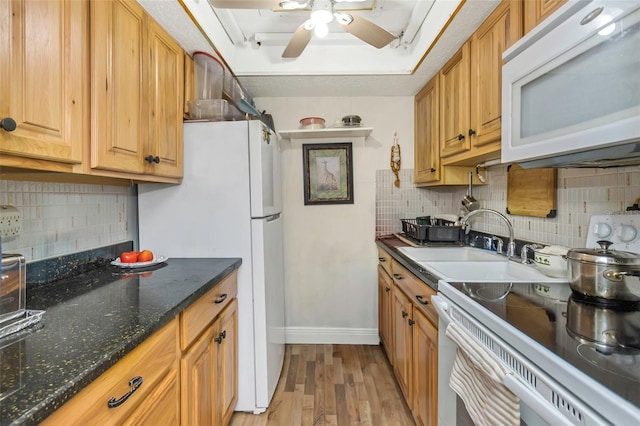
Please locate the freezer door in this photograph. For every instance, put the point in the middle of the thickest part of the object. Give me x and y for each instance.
(268, 305)
(265, 174)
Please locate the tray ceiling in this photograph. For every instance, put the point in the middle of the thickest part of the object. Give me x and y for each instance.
(251, 42)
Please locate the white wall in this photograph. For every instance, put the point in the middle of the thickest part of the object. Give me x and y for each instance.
(330, 254)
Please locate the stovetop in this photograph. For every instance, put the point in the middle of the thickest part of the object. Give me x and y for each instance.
(601, 342)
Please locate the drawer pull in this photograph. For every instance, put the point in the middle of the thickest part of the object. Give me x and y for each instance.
(135, 383)
(221, 299)
(381, 259)
(221, 336)
(397, 276)
(420, 299)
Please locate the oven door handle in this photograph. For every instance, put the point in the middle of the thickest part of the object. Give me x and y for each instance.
(442, 308)
(534, 401)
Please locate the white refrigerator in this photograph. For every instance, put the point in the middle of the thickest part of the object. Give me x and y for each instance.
(229, 205)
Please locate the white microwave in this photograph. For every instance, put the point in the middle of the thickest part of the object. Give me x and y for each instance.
(571, 88)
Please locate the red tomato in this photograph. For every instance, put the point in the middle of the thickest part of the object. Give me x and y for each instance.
(145, 256)
(129, 257)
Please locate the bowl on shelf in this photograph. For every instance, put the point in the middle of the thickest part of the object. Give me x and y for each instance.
(312, 123)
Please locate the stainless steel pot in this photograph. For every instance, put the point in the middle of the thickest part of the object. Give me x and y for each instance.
(608, 330)
(610, 274)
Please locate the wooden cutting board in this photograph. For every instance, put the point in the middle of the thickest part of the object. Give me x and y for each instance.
(531, 192)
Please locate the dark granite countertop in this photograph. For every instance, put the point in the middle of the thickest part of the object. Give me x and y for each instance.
(92, 320)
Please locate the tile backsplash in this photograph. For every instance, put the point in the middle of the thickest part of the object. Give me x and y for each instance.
(63, 218)
(581, 193)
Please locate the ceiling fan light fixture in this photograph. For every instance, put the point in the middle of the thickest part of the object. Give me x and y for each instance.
(321, 11)
(321, 30)
(290, 4)
(343, 18)
(309, 24)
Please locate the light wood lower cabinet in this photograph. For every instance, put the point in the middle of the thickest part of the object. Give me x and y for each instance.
(425, 370)
(185, 373)
(151, 369)
(402, 312)
(209, 389)
(415, 344)
(209, 362)
(385, 300)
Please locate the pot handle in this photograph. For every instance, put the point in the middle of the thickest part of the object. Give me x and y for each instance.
(613, 275)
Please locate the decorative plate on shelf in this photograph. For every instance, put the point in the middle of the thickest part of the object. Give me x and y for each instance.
(155, 261)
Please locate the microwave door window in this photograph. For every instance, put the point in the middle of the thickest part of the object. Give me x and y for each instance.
(597, 85)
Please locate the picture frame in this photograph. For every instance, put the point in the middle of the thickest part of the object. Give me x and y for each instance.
(328, 173)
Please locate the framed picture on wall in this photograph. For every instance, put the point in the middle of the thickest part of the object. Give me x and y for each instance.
(328, 173)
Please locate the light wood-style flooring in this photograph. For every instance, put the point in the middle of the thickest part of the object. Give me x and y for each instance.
(333, 385)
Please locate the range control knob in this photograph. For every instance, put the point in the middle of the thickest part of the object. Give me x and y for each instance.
(626, 233)
(602, 230)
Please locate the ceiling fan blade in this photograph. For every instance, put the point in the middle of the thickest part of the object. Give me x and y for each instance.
(368, 32)
(246, 4)
(297, 43)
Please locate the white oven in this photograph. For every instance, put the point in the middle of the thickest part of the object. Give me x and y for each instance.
(570, 87)
(556, 379)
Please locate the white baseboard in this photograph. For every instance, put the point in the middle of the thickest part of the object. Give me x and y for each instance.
(338, 336)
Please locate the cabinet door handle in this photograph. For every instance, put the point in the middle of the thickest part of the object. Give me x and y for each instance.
(404, 314)
(432, 170)
(397, 276)
(460, 137)
(420, 299)
(221, 336)
(152, 159)
(8, 124)
(472, 132)
(411, 321)
(134, 384)
(382, 259)
(221, 299)
(387, 289)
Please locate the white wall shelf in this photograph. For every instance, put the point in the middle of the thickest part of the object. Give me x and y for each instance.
(331, 132)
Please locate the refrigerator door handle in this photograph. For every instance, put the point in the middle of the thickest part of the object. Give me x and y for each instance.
(274, 217)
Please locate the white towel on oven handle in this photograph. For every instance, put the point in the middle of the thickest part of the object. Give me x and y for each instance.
(477, 377)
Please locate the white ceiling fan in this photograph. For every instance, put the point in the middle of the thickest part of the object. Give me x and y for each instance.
(322, 13)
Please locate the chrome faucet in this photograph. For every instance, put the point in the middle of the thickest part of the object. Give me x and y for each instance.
(524, 252)
(511, 246)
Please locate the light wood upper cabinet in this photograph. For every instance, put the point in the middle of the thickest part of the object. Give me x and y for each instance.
(42, 78)
(166, 91)
(427, 134)
(136, 92)
(454, 103)
(536, 11)
(119, 124)
(497, 33)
